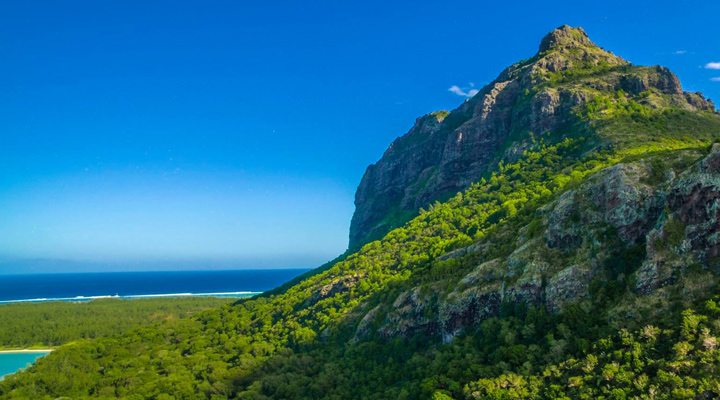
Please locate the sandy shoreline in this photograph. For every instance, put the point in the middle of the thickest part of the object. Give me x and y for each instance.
(21, 351)
(85, 299)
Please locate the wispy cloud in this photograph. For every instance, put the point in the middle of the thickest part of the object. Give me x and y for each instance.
(464, 92)
(712, 65)
(715, 79)
(680, 52)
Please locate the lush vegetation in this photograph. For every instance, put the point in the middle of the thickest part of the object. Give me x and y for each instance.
(305, 340)
(26, 325)
(292, 344)
(681, 361)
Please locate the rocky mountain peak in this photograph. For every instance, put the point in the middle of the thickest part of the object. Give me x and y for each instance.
(542, 98)
(570, 49)
(565, 37)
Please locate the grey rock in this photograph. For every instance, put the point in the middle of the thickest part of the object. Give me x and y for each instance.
(568, 285)
(563, 227)
(625, 202)
(410, 314)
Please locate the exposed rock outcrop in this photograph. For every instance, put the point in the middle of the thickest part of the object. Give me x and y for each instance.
(568, 285)
(689, 232)
(411, 313)
(586, 231)
(336, 286)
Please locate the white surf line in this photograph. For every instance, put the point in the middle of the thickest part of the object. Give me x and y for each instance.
(43, 299)
(132, 296)
(26, 351)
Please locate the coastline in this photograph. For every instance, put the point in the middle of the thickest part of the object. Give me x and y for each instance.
(84, 299)
(26, 351)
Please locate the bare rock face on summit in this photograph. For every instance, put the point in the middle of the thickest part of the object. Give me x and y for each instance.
(444, 152)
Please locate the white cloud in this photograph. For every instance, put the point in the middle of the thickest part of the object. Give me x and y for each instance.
(715, 79)
(467, 92)
(680, 52)
(712, 65)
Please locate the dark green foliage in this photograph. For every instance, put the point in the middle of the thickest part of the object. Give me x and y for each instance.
(619, 267)
(297, 344)
(674, 233)
(681, 361)
(24, 325)
(302, 341)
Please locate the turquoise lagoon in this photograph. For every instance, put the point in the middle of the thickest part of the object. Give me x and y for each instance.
(11, 362)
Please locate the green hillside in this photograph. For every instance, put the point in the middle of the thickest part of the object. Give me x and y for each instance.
(582, 264)
(51, 324)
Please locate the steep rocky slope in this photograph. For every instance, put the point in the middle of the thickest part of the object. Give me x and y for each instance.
(588, 229)
(643, 223)
(444, 153)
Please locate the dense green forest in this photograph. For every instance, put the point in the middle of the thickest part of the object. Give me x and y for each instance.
(679, 361)
(298, 345)
(50, 324)
(582, 265)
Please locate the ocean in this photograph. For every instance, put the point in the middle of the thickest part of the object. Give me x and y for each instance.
(88, 286)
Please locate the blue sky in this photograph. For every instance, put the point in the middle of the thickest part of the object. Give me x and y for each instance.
(228, 134)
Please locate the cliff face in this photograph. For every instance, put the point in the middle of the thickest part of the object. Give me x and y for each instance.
(658, 215)
(443, 153)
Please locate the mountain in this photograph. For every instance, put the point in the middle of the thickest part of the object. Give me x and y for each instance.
(555, 236)
(445, 152)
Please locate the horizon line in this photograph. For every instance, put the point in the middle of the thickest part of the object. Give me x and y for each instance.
(115, 271)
